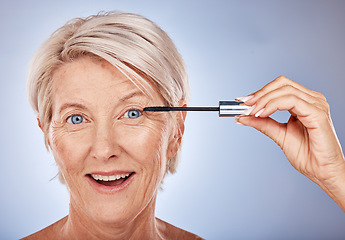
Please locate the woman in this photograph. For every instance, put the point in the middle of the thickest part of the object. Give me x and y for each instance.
(88, 85)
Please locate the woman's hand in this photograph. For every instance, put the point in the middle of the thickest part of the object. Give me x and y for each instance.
(308, 139)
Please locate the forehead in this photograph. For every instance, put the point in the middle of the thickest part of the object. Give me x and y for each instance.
(94, 78)
(87, 72)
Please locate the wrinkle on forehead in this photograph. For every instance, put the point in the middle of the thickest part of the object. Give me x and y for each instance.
(141, 81)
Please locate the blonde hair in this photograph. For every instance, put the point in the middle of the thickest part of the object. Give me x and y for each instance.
(130, 42)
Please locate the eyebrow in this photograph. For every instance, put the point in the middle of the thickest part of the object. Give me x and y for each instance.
(83, 107)
(131, 95)
(75, 105)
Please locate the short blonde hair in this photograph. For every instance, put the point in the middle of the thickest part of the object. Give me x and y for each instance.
(130, 42)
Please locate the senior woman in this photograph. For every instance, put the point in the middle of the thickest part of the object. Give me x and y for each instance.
(89, 83)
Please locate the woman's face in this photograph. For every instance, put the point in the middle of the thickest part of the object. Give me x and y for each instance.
(111, 154)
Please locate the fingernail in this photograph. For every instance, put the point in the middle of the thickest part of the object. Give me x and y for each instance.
(237, 122)
(259, 112)
(249, 110)
(244, 99)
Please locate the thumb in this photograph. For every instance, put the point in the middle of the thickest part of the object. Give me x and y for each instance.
(268, 126)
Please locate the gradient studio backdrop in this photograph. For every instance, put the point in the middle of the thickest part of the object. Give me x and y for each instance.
(232, 182)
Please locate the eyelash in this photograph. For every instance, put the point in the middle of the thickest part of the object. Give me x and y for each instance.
(74, 114)
(132, 109)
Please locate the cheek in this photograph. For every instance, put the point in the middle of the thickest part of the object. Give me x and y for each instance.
(69, 149)
(147, 143)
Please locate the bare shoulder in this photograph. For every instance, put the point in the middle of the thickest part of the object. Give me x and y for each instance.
(171, 232)
(50, 232)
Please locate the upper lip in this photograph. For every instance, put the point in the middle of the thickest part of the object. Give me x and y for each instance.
(111, 173)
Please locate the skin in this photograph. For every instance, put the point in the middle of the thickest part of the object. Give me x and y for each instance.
(308, 139)
(108, 140)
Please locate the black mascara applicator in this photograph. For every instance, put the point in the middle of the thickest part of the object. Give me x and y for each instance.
(225, 109)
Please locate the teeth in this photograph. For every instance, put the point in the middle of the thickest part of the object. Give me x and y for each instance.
(109, 178)
(112, 178)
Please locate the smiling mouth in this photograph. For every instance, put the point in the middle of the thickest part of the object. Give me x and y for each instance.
(113, 180)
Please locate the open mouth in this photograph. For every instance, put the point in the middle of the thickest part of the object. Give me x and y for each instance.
(113, 180)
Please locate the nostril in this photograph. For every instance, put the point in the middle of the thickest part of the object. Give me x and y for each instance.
(105, 153)
(104, 146)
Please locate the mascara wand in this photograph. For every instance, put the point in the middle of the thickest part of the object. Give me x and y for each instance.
(225, 109)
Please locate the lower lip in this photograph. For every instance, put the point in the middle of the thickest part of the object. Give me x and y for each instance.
(110, 189)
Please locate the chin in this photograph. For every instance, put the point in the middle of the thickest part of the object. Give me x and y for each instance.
(109, 203)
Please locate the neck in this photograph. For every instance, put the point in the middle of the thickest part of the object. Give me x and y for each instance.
(142, 226)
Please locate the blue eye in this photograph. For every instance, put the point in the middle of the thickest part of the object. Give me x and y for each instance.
(76, 119)
(133, 113)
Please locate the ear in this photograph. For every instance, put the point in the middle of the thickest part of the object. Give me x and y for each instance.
(42, 128)
(40, 124)
(176, 138)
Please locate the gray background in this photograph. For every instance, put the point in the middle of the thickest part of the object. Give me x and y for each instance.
(233, 182)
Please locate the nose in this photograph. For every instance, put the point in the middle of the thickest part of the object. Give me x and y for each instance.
(104, 146)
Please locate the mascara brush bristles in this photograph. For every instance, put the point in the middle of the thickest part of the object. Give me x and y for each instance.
(157, 109)
(168, 109)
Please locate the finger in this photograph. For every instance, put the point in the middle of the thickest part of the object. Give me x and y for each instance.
(310, 115)
(278, 83)
(268, 126)
(287, 91)
(284, 81)
(316, 122)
